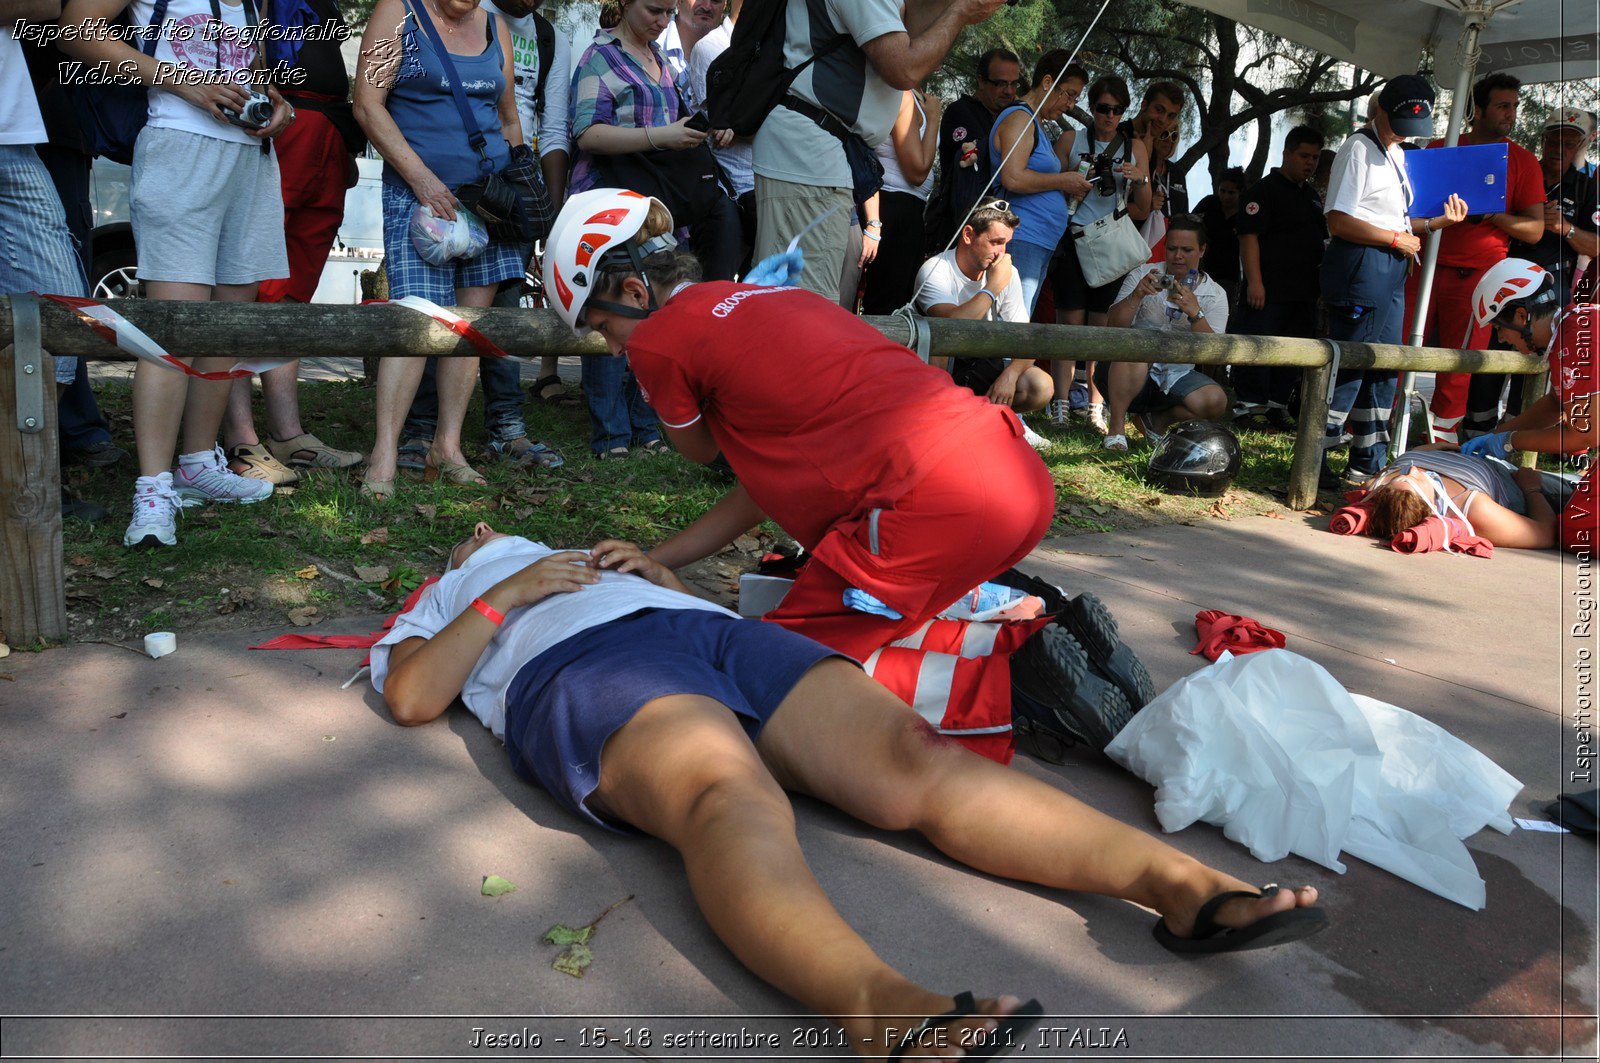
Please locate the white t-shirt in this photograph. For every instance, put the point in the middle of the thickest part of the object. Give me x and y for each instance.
(20, 121)
(736, 157)
(548, 129)
(1156, 313)
(940, 280)
(186, 41)
(793, 148)
(1369, 184)
(527, 632)
(894, 178)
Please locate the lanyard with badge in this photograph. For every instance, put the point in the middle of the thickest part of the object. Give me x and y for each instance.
(1405, 182)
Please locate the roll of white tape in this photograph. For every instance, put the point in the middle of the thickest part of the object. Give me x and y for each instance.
(160, 643)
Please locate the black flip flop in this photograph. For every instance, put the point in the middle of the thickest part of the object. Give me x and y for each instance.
(1279, 928)
(566, 398)
(1002, 1041)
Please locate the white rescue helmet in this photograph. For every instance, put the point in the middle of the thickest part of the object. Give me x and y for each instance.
(1507, 284)
(593, 225)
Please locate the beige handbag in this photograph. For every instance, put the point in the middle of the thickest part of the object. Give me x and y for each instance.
(1109, 247)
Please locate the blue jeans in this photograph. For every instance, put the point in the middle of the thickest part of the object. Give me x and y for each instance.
(1032, 264)
(618, 414)
(36, 249)
(502, 392)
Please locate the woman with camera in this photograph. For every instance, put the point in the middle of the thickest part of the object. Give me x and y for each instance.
(1119, 168)
(1034, 181)
(208, 217)
(405, 103)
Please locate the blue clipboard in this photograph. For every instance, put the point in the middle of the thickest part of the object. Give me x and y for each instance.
(1476, 173)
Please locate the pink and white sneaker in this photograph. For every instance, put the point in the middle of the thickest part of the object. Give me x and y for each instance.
(155, 513)
(215, 482)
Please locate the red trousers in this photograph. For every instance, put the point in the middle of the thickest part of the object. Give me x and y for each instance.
(1449, 324)
(314, 168)
(965, 522)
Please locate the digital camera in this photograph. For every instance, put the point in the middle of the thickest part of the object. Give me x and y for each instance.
(255, 114)
(1103, 175)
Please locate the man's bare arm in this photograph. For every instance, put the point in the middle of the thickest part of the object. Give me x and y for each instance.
(905, 59)
(13, 12)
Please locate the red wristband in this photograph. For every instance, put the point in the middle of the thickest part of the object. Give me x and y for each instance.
(496, 617)
(1395, 242)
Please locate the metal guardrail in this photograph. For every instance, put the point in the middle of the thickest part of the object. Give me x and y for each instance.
(32, 602)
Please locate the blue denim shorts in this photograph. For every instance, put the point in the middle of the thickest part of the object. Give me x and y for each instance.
(566, 702)
(409, 275)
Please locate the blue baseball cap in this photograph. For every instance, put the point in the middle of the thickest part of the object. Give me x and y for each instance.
(1408, 101)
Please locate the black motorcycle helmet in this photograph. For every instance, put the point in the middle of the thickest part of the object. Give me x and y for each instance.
(1195, 458)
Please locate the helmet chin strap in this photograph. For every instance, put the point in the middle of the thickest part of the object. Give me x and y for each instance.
(637, 253)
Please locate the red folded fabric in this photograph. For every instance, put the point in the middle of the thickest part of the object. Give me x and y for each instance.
(1238, 635)
(1351, 519)
(1429, 536)
(296, 641)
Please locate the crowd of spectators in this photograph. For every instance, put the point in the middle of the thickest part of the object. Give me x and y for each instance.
(985, 210)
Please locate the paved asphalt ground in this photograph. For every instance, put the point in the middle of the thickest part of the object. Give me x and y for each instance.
(226, 833)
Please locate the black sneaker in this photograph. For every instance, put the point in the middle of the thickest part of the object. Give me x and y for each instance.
(1055, 599)
(1037, 732)
(413, 454)
(1092, 624)
(1278, 420)
(74, 508)
(101, 454)
(1052, 670)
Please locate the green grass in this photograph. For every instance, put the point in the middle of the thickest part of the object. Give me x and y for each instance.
(238, 566)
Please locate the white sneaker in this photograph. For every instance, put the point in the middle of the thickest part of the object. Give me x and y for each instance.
(155, 513)
(1060, 413)
(215, 482)
(1035, 440)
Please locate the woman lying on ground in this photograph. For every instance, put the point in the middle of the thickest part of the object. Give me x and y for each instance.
(1504, 506)
(641, 707)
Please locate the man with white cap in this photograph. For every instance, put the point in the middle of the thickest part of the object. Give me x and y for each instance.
(1375, 242)
(1572, 207)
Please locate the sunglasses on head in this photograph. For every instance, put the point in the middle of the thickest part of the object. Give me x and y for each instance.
(1109, 108)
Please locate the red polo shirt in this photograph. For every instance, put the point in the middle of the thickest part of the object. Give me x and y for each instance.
(1478, 243)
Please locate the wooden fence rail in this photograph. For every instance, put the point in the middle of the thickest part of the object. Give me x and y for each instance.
(32, 604)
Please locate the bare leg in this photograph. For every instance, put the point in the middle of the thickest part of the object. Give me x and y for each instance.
(858, 747)
(1098, 320)
(457, 377)
(1061, 373)
(397, 386)
(1123, 385)
(280, 388)
(684, 770)
(1035, 389)
(159, 394)
(238, 423)
(202, 414)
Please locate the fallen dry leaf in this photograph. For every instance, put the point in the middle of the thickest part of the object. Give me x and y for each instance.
(80, 560)
(495, 886)
(747, 544)
(427, 510)
(154, 581)
(1275, 516)
(304, 616)
(104, 572)
(376, 535)
(372, 573)
(1221, 511)
(227, 606)
(309, 572)
(574, 960)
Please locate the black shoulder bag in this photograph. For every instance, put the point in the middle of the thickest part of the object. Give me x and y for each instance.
(513, 204)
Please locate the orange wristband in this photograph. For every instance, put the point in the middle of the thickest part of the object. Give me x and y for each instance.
(1395, 242)
(496, 617)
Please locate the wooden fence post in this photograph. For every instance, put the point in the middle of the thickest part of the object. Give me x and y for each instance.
(1307, 465)
(1533, 389)
(32, 595)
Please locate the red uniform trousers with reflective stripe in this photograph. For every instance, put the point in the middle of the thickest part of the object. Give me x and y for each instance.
(1449, 324)
(967, 521)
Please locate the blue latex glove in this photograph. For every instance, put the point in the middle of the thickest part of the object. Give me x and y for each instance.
(1493, 445)
(779, 270)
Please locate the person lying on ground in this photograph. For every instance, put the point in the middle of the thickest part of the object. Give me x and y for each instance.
(898, 482)
(1507, 508)
(1173, 297)
(642, 708)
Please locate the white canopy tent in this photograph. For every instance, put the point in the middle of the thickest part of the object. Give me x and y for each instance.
(1536, 40)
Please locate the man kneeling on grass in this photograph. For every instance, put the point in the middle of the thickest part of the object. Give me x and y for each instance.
(641, 707)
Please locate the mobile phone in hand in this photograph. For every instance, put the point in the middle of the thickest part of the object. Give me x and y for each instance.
(700, 122)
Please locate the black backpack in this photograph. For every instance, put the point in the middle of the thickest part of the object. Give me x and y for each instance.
(544, 35)
(748, 80)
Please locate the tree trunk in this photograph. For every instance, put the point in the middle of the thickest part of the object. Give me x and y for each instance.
(1258, 159)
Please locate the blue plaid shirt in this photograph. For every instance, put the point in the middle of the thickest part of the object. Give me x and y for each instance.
(611, 88)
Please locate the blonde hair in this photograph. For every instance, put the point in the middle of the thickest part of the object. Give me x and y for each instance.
(664, 269)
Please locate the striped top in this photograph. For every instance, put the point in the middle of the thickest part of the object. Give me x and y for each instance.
(609, 87)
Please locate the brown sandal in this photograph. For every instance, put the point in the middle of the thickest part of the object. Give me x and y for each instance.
(560, 398)
(462, 475)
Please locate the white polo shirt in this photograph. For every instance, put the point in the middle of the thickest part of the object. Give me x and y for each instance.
(1370, 185)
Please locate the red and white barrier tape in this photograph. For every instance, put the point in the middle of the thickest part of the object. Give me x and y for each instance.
(126, 336)
(450, 320)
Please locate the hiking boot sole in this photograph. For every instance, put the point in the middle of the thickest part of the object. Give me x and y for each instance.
(1052, 669)
(1092, 624)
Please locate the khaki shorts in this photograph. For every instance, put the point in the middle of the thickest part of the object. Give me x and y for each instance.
(784, 209)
